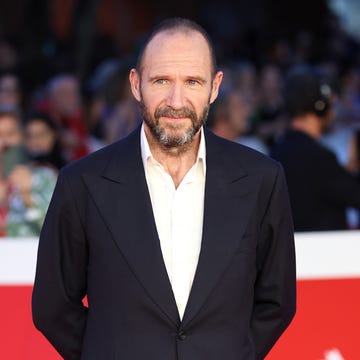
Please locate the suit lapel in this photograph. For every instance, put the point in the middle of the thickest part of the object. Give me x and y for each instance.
(226, 212)
(122, 198)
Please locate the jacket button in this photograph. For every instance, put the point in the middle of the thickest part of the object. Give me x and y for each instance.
(181, 335)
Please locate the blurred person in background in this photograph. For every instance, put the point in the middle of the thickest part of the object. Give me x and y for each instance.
(9, 55)
(12, 151)
(10, 92)
(320, 188)
(229, 118)
(348, 111)
(25, 187)
(113, 105)
(268, 117)
(244, 78)
(42, 141)
(63, 103)
(342, 138)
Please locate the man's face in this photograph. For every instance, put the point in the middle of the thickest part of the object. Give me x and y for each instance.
(175, 86)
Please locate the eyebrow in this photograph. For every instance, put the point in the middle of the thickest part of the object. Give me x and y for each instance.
(198, 78)
(188, 77)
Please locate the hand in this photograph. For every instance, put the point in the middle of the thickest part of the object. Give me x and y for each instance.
(20, 178)
(3, 192)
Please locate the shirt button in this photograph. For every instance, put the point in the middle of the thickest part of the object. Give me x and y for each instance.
(182, 335)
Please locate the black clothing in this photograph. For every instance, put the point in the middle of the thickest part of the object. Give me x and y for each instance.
(54, 158)
(100, 239)
(320, 189)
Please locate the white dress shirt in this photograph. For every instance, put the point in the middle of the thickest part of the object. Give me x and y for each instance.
(178, 216)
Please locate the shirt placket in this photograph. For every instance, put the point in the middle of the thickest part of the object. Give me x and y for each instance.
(180, 246)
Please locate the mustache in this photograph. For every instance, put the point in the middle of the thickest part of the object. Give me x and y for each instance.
(175, 113)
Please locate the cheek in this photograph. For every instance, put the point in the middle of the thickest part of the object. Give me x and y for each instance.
(47, 143)
(150, 102)
(32, 144)
(14, 138)
(200, 106)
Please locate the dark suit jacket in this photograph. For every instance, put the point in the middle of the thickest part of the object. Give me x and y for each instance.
(320, 189)
(99, 239)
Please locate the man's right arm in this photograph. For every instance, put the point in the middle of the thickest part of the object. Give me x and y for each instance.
(60, 283)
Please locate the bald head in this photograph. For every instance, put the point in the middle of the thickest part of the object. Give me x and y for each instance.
(178, 26)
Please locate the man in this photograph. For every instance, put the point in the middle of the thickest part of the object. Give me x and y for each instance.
(63, 104)
(182, 241)
(230, 119)
(320, 189)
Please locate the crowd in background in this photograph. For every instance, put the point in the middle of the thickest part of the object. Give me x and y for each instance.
(66, 116)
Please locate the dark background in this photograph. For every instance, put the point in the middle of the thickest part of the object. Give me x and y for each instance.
(76, 35)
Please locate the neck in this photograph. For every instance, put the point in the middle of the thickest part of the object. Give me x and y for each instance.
(309, 124)
(176, 161)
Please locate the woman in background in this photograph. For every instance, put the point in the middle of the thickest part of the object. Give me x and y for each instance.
(42, 141)
(26, 187)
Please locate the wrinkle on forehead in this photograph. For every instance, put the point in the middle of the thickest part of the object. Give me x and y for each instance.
(174, 47)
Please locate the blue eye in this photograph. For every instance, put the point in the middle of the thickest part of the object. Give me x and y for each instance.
(160, 81)
(192, 82)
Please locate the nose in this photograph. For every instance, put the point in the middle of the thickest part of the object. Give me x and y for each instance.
(176, 98)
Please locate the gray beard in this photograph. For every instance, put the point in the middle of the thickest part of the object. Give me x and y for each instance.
(171, 141)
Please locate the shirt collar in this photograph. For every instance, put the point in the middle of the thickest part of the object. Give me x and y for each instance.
(146, 152)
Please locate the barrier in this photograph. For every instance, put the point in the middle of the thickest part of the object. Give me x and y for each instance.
(325, 326)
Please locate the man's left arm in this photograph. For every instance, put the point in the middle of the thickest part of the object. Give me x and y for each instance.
(275, 288)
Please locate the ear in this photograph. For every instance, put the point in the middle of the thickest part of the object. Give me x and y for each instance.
(134, 78)
(215, 86)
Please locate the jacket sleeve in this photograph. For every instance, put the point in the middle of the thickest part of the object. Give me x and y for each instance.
(275, 287)
(60, 282)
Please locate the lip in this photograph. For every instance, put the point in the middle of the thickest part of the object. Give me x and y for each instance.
(174, 118)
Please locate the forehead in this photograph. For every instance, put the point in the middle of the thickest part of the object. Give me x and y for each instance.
(8, 80)
(181, 50)
(8, 122)
(64, 85)
(37, 123)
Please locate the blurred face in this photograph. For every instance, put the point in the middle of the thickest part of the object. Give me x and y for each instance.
(238, 112)
(271, 80)
(10, 132)
(9, 91)
(39, 138)
(65, 96)
(175, 87)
